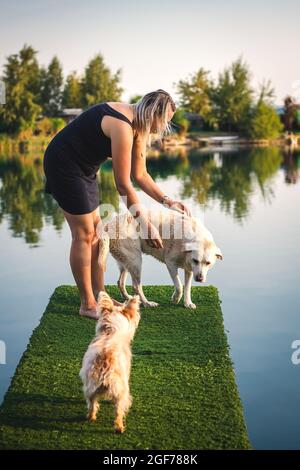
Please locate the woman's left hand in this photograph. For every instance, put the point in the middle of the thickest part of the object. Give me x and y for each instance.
(180, 207)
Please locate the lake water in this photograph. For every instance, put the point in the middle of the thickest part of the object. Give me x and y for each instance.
(251, 200)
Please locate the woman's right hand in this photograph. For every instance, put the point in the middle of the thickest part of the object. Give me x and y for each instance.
(153, 238)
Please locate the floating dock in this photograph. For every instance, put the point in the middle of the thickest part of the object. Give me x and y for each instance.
(182, 381)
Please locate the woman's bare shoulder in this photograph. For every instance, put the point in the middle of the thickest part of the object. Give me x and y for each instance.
(124, 108)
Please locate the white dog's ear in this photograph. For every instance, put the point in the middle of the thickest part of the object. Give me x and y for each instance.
(219, 253)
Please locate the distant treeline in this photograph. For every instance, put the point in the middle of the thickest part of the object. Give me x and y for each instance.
(36, 97)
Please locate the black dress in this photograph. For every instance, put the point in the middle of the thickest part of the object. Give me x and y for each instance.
(73, 157)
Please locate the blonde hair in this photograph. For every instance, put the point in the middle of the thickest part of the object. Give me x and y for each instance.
(150, 106)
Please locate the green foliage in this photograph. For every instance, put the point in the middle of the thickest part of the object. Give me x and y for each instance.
(291, 116)
(32, 90)
(98, 83)
(195, 95)
(229, 105)
(135, 99)
(182, 381)
(181, 122)
(233, 97)
(48, 126)
(44, 127)
(72, 94)
(22, 81)
(298, 118)
(57, 124)
(265, 122)
(51, 92)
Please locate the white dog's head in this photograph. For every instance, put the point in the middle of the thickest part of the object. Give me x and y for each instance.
(200, 256)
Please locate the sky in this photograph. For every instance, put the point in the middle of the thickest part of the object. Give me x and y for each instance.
(159, 42)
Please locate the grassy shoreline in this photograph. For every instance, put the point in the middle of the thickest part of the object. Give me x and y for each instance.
(197, 139)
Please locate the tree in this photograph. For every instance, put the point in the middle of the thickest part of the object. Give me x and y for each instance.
(265, 122)
(181, 123)
(72, 94)
(135, 99)
(51, 88)
(290, 113)
(266, 92)
(22, 81)
(195, 95)
(233, 97)
(99, 84)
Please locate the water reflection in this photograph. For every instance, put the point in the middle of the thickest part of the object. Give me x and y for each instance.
(22, 200)
(230, 176)
(291, 165)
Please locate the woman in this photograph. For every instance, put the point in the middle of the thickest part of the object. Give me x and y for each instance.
(115, 130)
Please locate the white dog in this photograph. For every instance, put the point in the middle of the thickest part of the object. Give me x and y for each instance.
(187, 244)
(106, 364)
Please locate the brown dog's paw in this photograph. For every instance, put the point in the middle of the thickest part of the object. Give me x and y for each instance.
(91, 418)
(119, 429)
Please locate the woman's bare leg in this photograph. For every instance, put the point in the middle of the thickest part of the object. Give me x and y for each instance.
(82, 230)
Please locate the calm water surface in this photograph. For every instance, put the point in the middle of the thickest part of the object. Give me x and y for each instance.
(251, 200)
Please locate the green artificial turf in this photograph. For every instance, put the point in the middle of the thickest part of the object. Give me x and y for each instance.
(182, 381)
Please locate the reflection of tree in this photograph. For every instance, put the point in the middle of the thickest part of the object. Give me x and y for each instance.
(265, 164)
(290, 113)
(166, 165)
(23, 200)
(198, 182)
(161, 167)
(229, 177)
(233, 181)
(107, 188)
(291, 165)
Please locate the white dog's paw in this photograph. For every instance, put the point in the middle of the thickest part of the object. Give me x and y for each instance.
(190, 305)
(149, 303)
(176, 297)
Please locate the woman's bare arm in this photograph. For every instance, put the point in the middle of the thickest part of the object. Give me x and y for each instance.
(140, 174)
(121, 147)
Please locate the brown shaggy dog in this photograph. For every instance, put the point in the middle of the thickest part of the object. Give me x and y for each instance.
(106, 364)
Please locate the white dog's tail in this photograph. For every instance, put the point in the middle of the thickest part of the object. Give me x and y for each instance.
(103, 244)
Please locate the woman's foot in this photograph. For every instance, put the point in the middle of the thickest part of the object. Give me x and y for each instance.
(89, 311)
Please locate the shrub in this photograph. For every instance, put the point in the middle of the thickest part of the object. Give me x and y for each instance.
(264, 122)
